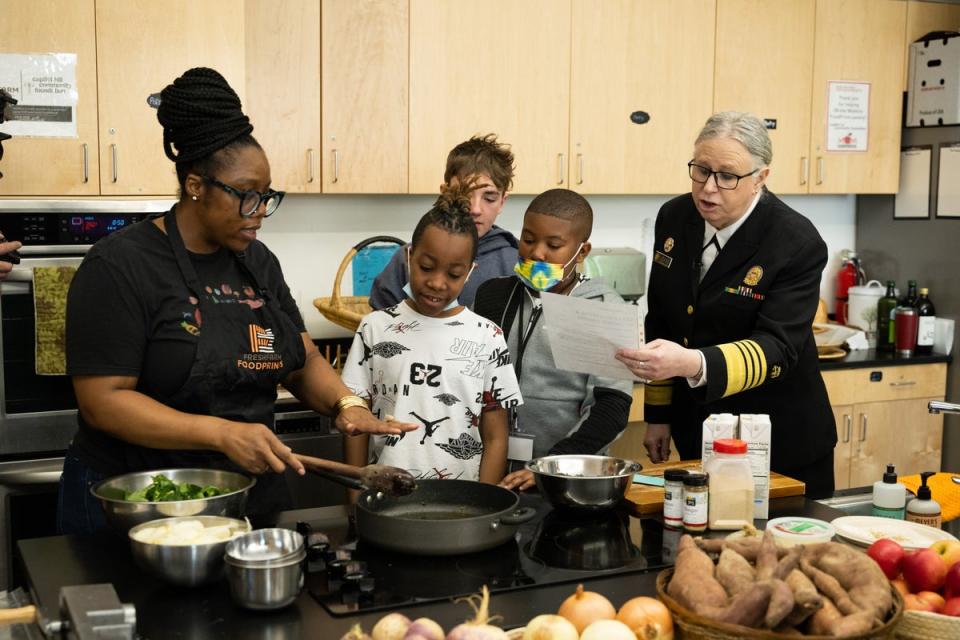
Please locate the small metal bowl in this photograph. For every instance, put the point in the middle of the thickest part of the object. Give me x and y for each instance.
(583, 482)
(123, 514)
(265, 568)
(185, 565)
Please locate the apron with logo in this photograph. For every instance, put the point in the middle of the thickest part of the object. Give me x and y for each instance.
(242, 354)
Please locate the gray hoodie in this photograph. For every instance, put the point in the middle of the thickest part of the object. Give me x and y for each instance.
(496, 256)
(566, 411)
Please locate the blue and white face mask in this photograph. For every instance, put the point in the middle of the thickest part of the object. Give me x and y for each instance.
(542, 276)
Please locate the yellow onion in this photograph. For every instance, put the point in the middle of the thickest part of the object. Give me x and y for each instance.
(648, 618)
(585, 607)
(550, 627)
(607, 630)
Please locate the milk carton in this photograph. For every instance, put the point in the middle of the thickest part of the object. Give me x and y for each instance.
(717, 425)
(756, 430)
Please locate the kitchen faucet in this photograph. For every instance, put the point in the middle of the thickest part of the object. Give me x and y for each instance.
(939, 406)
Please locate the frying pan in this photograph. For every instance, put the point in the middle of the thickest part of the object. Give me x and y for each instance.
(441, 517)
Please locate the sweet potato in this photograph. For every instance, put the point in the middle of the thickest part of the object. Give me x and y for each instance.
(780, 605)
(805, 596)
(830, 587)
(693, 583)
(766, 556)
(857, 573)
(734, 572)
(788, 563)
(747, 547)
(821, 623)
(749, 608)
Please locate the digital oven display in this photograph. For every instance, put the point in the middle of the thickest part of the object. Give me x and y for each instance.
(90, 227)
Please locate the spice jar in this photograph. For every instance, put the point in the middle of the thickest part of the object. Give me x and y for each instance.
(731, 485)
(673, 497)
(696, 501)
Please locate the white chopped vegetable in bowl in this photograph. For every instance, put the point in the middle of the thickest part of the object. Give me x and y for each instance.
(189, 531)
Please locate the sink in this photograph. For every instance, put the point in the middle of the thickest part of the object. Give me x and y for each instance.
(861, 504)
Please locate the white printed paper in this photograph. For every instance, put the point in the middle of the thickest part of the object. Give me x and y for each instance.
(586, 334)
(913, 196)
(848, 115)
(45, 87)
(948, 182)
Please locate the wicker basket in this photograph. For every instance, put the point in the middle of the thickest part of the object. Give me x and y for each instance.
(691, 626)
(348, 311)
(922, 625)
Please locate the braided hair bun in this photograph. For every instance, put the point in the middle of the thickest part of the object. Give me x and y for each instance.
(201, 114)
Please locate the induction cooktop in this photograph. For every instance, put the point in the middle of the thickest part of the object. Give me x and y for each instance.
(347, 576)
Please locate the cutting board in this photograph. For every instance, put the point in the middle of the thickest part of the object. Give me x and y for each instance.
(645, 500)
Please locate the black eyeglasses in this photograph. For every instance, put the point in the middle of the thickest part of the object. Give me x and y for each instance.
(724, 179)
(250, 201)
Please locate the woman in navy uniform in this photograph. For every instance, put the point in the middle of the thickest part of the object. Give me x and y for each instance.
(734, 286)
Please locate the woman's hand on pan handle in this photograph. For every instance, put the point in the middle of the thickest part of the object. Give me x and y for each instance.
(256, 448)
(518, 480)
(356, 420)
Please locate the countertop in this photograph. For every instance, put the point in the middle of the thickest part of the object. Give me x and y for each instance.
(864, 358)
(208, 612)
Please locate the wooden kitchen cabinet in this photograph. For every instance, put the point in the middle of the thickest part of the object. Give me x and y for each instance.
(765, 66)
(862, 41)
(924, 17)
(142, 46)
(882, 418)
(365, 47)
(54, 166)
(638, 56)
(282, 45)
(491, 67)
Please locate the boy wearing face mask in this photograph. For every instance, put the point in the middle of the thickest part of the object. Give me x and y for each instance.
(565, 411)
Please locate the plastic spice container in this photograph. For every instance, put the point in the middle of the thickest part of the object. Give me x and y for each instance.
(673, 497)
(792, 530)
(696, 501)
(731, 485)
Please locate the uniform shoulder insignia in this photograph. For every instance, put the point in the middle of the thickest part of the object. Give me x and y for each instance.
(667, 245)
(753, 276)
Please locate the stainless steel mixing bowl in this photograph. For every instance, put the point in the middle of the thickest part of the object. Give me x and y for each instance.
(123, 514)
(265, 568)
(185, 565)
(581, 481)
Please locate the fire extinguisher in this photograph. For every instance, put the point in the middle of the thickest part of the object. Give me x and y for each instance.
(850, 275)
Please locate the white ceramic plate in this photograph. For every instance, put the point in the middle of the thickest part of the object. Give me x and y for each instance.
(865, 530)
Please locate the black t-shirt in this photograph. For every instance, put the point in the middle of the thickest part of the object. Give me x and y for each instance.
(130, 313)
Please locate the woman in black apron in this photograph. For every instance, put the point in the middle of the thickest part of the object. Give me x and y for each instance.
(180, 328)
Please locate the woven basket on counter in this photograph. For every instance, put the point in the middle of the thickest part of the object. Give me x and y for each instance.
(347, 311)
(922, 625)
(691, 626)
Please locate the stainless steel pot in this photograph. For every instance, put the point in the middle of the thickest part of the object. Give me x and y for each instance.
(265, 568)
(441, 517)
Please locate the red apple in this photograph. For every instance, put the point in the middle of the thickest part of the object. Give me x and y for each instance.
(932, 598)
(889, 555)
(952, 607)
(923, 570)
(912, 602)
(951, 584)
(949, 551)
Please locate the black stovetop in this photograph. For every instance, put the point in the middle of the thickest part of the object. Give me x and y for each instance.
(349, 577)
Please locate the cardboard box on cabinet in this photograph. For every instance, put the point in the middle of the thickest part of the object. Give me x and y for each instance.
(933, 95)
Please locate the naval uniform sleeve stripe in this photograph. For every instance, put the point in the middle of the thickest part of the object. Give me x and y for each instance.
(658, 393)
(736, 370)
(761, 363)
(750, 364)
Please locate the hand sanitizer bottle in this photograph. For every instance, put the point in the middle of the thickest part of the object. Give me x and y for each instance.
(924, 509)
(889, 496)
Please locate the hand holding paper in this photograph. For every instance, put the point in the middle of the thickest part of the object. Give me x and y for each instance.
(660, 360)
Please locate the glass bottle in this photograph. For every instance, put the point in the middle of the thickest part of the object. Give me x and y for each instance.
(910, 300)
(885, 311)
(925, 323)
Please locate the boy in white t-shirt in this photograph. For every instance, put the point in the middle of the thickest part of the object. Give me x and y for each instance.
(430, 361)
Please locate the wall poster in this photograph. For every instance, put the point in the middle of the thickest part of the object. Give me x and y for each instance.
(45, 87)
(848, 115)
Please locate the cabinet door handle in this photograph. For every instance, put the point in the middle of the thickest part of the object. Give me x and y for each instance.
(560, 170)
(804, 169)
(819, 169)
(113, 156)
(847, 427)
(336, 166)
(579, 168)
(903, 383)
(309, 165)
(86, 163)
(863, 427)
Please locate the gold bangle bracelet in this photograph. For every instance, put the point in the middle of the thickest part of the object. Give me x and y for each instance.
(350, 401)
